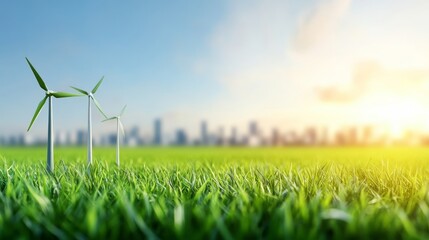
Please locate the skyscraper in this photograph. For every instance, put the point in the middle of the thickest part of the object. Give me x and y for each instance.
(275, 137)
(80, 137)
(157, 128)
(233, 138)
(220, 137)
(204, 133)
(133, 137)
(181, 137)
(253, 128)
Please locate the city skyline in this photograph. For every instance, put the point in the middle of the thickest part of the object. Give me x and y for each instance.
(219, 135)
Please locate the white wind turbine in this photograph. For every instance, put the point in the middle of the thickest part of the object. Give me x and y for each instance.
(118, 126)
(48, 95)
(91, 96)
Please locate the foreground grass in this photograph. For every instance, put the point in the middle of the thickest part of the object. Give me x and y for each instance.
(216, 193)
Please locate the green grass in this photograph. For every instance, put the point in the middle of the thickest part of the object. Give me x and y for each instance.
(192, 193)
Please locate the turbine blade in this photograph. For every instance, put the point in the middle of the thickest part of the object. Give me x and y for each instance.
(39, 107)
(108, 119)
(99, 107)
(80, 90)
(123, 110)
(121, 127)
(39, 79)
(65, 95)
(98, 85)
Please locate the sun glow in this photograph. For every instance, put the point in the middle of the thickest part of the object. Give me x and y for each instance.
(396, 113)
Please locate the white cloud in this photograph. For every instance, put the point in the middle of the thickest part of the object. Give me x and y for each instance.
(320, 23)
(370, 77)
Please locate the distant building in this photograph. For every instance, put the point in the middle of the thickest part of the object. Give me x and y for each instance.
(324, 137)
(291, 138)
(17, 140)
(253, 128)
(104, 140)
(181, 137)
(69, 140)
(310, 136)
(111, 139)
(204, 133)
(212, 140)
(275, 138)
(157, 129)
(233, 140)
(340, 139)
(367, 135)
(352, 136)
(220, 137)
(80, 139)
(133, 137)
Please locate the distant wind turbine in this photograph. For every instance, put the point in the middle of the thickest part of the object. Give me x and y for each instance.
(91, 96)
(118, 125)
(49, 94)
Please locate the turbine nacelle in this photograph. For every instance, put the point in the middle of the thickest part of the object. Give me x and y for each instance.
(48, 93)
(90, 95)
(118, 118)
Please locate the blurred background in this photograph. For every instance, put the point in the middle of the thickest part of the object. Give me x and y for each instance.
(255, 73)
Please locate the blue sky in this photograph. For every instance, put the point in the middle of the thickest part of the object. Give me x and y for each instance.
(284, 63)
(145, 50)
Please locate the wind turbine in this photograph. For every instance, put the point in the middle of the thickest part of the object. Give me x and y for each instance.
(48, 96)
(118, 125)
(91, 96)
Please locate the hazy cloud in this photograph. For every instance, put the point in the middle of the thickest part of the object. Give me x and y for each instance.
(371, 76)
(320, 23)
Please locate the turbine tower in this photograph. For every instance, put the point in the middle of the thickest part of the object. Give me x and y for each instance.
(91, 96)
(118, 126)
(48, 96)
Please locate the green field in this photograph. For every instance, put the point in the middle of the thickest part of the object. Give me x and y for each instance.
(216, 193)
